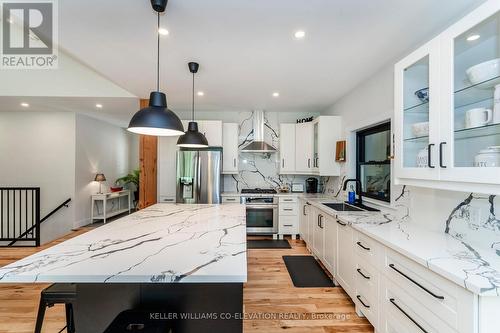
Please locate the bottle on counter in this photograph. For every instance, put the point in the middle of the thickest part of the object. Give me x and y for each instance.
(351, 197)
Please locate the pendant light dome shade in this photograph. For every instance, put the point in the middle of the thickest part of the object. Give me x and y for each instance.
(156, 119)
(192, 138)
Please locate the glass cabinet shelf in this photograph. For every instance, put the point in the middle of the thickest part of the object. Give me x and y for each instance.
(418, 108)
(477, 132)
(480, 92)
(417, 139)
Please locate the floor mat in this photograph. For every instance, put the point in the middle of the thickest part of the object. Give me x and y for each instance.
(305, 271)
(268, 244)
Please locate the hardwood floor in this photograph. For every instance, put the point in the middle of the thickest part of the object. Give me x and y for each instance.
(270, 299)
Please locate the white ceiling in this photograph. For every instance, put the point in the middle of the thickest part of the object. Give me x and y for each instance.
(246, 48)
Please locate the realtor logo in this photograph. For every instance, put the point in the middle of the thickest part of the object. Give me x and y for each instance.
(29, 34)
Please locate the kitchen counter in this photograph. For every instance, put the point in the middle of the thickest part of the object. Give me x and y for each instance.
(296, 194)
(164, 243)
(476, 269)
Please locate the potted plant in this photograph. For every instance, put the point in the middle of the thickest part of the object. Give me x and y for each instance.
(131, 178)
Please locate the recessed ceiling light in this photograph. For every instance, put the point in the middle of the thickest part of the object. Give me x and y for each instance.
(276, 94)
(99, 106)
(299, 34)
(163, 31)
(25, 105)
(472, 38)
(200, 93)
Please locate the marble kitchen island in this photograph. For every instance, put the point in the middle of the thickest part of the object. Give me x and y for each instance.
(170, 259)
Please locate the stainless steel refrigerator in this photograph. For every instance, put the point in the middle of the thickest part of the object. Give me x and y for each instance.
(199, 179)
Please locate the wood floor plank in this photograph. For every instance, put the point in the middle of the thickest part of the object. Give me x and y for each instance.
(269, 292)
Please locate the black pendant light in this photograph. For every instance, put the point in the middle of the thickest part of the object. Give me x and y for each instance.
(193, 138)
(156, 119)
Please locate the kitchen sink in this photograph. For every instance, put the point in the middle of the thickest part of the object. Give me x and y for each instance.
(341, 207)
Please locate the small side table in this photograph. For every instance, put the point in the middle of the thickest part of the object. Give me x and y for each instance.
(105, 197)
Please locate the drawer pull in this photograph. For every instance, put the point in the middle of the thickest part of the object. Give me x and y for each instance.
(415, 282)
(361, 273)
(288, 225)
(230, 199)
(341, 223)
(407, 315)
(288, 209)
(359, 298)
(287, 200)
(362, 246)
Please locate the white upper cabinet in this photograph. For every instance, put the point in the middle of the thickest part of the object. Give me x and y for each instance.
(287, 148)
(315, 146)
(304, 147)
(327, 130)
(212, 129)
(230, 148)
(452, 141)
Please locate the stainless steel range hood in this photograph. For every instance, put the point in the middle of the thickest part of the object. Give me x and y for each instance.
(258, 145)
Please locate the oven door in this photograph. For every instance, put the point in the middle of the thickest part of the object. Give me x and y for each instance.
(262, 219)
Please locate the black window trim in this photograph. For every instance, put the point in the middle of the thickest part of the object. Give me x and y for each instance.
(385, 126)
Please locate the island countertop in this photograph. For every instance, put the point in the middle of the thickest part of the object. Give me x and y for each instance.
(164, 243)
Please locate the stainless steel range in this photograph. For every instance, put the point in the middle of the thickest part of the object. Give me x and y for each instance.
(261, 210)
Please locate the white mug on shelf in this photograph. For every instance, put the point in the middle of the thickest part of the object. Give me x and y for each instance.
(496, 109)
(478, 117)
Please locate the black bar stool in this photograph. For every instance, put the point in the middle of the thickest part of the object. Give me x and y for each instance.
(58, 293)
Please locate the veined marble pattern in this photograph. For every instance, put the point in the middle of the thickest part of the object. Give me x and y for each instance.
(259, 170)
(164, 243)
(475, 268)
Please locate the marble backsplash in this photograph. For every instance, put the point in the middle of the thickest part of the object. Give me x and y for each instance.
(261, 170)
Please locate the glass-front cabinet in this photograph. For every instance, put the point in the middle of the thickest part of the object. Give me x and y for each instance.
(417, 122)
(447, 96)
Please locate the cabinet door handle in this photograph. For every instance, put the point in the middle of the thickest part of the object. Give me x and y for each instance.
(429, 156)
(288, 200)
(309, 163)
(230, 199)
(361, 273)
(234, 162)
(359, 299)
(393, 301)
(282, 162)
(321, 221)
(317, 223)
(288, 209)
(341, 223)
(441, 155)
(362, 246)
(416, 283)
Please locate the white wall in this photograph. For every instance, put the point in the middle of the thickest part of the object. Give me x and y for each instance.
(100, 148)
(38, 149)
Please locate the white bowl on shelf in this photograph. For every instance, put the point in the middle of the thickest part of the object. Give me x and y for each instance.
(420, 129)
(488, 158)
(485, 71)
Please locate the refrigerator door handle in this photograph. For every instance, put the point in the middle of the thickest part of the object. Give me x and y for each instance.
(198, 176)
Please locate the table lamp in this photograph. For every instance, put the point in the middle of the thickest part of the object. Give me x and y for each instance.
(100, 178)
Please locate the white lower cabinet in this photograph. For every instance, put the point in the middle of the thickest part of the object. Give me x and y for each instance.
(345, 258)
(330, 245)
(395, 293)
(288, 216)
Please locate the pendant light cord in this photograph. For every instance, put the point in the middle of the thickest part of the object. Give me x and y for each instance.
(158, 57)
(192, 107)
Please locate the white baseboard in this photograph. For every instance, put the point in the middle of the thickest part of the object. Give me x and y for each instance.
(81, 223)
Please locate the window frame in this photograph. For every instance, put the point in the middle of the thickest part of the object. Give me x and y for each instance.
(360, 151)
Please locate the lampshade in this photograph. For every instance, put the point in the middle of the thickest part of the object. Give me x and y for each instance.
(156, 119)
(192, 138)
(100, 177)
